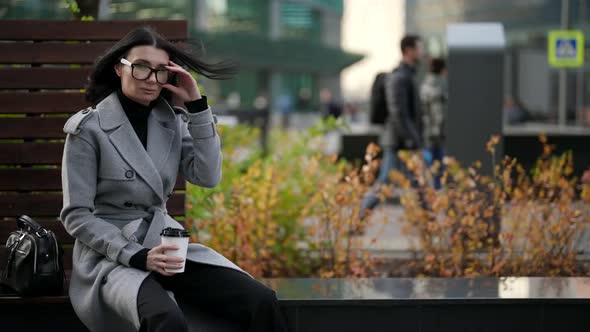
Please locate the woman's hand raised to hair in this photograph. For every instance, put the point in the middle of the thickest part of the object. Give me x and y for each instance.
(158, 261)
(186, 88)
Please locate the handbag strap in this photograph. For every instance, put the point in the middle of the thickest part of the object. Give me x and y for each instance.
(26, 222)
(7, 270)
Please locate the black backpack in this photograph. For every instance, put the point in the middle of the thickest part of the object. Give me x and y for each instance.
(378, 106)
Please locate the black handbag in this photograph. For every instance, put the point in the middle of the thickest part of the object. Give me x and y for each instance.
(35, 260)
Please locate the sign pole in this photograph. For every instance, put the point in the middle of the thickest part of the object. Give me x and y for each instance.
(562, 102)
(580, 78)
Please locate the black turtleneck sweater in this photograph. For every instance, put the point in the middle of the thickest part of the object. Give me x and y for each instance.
(138, 113)
(138, 116)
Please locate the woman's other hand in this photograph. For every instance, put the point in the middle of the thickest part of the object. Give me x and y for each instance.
(186, 89)
(158, 261)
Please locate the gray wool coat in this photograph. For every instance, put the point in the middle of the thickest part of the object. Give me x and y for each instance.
(114, 200)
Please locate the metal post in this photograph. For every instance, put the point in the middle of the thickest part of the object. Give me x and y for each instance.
(104, 10)
(580, 78)
(562, 98)
(275, 19)
(274, 34)
(199, 17)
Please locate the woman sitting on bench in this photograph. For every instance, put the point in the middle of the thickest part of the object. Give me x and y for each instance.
(120, 164)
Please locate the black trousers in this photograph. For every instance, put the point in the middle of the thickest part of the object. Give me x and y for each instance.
(218, 290)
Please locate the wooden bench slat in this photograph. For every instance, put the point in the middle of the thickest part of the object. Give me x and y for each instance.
(31, 153)
(49, 205)
(18, 300)
(32, 127)
(43, 30)
(52, 53)
(38, 179)
(41, 102)
(43, 78)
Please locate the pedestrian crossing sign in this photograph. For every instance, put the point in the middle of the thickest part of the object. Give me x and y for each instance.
(566, 48)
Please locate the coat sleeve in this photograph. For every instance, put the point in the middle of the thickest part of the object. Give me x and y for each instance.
(79, 178)
(401, 92)
(201, 158)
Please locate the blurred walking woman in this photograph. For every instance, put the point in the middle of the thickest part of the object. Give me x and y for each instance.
(120, 163)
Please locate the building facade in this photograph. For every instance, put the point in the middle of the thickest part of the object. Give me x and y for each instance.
(286, 49)
(531, 85)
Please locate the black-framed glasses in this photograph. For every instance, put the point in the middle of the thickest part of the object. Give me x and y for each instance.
(143, 72)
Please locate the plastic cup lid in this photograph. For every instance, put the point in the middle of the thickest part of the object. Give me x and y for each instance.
(174, 232)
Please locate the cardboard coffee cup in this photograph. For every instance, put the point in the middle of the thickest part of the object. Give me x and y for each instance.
(178, 237)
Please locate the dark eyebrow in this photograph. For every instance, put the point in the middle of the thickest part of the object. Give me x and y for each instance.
(142, 61)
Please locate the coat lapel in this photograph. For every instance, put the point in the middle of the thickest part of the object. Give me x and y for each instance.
(160, 137)
(159, 142)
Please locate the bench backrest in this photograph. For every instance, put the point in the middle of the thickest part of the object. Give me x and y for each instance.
(43, 68)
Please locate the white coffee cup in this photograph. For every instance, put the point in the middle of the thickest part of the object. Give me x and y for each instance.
(178, 237)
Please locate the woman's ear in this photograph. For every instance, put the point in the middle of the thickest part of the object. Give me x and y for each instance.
(118, 69)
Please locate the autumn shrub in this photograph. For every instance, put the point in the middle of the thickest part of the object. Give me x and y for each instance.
(289, 213)
(513, 222)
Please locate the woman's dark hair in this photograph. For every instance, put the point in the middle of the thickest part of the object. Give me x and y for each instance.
(104, 80)
(437, 65)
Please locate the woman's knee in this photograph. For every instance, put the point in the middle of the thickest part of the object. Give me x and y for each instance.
(170, 320)
(262, 295)
(157, 311)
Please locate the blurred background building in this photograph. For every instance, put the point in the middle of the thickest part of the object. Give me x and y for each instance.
(531, 85)
(373, 28)
(288, 49)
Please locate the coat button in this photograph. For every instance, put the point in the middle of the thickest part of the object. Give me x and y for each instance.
(86, 111)
(129, 174)
(133, 239)
(104, 280)
(128, 204)
(184, 117)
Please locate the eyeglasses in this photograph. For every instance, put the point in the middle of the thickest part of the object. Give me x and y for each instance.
(143, 72)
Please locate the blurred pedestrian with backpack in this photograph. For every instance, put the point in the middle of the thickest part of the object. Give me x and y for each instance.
(395, 105)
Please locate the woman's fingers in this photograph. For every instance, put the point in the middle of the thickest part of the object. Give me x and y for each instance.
(168, 259)
(173, 266)
(161, 268)
(186, 87)
(174, 259)
(169, 266)
(184, 74)
(177, 69)
(165, 247)
(161, 249)
(160, 258)
(173, 63)
(172, 88)
(158, 261)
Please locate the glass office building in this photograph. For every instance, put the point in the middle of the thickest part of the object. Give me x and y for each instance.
(531, 85)
(284, 47)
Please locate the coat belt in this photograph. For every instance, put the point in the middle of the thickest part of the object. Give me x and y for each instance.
(160, 220)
